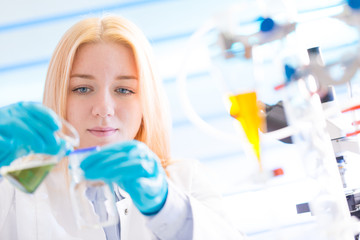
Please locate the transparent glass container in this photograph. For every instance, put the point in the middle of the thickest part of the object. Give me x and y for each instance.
(27, 172)
(93, 201)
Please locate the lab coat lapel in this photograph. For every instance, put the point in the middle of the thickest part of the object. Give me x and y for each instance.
(132, 222)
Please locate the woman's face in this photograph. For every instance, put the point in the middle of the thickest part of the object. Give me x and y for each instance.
(103, 96)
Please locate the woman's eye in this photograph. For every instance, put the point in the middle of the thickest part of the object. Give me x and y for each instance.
(124, 91)
(82, 90)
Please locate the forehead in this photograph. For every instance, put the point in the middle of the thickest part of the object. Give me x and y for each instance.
(104, 48)
(104, 54)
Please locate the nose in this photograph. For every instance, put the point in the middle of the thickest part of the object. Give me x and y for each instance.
(103, 106)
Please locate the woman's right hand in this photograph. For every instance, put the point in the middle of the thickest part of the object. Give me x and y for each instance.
(28, 127)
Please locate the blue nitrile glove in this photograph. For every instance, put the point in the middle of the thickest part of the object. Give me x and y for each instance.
(135, 168)
(27, 127)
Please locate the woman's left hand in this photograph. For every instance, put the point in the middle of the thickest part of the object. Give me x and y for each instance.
(135, 168)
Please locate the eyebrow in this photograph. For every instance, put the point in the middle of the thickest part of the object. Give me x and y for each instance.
(125, 77)
(86, 76)
(121, 77)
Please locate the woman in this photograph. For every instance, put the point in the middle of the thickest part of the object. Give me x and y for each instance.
(102, 80)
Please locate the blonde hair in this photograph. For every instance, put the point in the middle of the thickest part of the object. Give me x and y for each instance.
(155, 126)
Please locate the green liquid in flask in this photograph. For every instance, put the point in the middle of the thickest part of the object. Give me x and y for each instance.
(28, 179)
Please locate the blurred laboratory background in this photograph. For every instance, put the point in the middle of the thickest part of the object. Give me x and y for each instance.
(270, 205)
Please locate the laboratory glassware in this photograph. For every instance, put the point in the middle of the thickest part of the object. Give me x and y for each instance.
(27, 172)
(230, 38)
(303, 108)
(93, 200)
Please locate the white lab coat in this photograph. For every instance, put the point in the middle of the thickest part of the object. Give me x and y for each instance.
(48, 214)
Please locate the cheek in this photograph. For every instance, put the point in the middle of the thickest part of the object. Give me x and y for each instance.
(133, 118)
(73, 113)
(70, 116)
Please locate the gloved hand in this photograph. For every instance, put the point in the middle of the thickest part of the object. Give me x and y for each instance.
(27, 127)
(135, 168)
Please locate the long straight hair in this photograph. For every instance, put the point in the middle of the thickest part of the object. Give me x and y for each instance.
(155, 125)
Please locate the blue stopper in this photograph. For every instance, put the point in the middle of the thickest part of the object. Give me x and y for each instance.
(354, 4)
(267, 25)
(289, 72)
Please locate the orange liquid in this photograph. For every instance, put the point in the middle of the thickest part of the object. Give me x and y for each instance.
(245, 109)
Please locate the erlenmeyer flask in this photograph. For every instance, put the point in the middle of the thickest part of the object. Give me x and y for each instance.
(27, 172)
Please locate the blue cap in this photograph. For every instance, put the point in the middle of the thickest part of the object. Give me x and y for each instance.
(289, 72)
(354, 4)
(267, 25)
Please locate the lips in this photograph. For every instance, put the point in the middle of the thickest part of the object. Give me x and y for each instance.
(102, 131)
